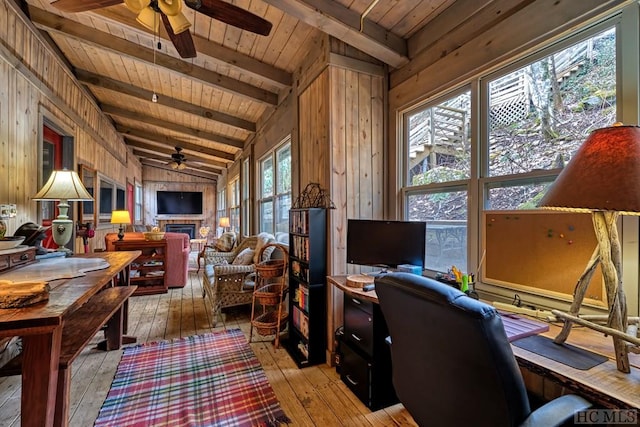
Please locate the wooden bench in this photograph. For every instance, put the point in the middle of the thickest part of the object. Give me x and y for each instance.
(79, 328)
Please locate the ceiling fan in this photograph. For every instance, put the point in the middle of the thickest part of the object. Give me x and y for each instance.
(151, 12)
(177, 160)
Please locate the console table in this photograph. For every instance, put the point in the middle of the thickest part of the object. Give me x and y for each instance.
(603, 384)
(41, 327)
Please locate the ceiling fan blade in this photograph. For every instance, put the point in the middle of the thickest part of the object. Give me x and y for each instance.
(232, 15)
(83, 5)
(183, 41)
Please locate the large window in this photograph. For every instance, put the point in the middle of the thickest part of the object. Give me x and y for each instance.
(438, 159)
(138, 203)
(246, 198)
(533, 114)
(221, 206)
(234, 207)
(275, 189)
(539, 112)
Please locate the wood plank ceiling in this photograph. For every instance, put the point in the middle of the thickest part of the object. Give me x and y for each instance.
(210, 105)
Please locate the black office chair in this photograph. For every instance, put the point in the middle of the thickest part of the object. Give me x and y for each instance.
(451, 360)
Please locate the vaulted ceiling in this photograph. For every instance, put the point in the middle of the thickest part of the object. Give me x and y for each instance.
(210, 105)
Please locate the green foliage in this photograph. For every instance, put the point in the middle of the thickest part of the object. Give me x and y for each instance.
(438, 174)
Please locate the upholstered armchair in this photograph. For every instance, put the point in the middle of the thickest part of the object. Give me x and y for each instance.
(452, 362)
(228, 280)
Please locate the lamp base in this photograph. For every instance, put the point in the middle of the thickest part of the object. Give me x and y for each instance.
(121, 233)
(62, 230)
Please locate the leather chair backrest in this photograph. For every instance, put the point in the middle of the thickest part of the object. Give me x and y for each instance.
(452, 362)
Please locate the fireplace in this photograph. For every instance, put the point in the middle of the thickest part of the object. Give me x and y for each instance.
(189, 229)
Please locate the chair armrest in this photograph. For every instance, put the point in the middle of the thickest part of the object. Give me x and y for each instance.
(214, 257)
(221, 270)
(557, 411)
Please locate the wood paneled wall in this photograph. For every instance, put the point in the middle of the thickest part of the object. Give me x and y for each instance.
(342, 147)
(163, 180)
(35, 86)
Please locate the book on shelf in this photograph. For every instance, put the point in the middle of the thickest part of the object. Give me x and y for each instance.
(158, 273)
(301, 322)
(299, 220)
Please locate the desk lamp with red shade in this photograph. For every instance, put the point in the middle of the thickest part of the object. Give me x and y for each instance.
(603, 178)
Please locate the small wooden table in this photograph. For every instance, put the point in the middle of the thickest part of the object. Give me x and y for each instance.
(40, 326)
(603, 384)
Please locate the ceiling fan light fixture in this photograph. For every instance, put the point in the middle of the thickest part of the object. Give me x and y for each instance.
(181, 166)
(136, 5)
(178, 22)
(170, 7)
(148, 19)
(173, 165)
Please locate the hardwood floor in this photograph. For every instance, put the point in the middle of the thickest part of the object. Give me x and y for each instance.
(313, 396)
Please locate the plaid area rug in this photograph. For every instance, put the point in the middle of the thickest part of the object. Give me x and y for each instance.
(202, 380)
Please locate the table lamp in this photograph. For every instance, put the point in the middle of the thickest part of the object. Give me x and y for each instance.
(603, 178)
(63, 185)
(224, 223)
(121, 217)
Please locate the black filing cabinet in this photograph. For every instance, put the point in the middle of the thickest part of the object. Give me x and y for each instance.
(366, 360)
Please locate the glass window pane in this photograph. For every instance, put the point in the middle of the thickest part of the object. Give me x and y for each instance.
(541, 113)
(440, 142)
(283, 157)
(446, 217)
(283, 204)
(266, 178)
(514, 197)
(266, 216)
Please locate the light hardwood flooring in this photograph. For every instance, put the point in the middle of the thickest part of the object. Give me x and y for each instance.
(314, 396)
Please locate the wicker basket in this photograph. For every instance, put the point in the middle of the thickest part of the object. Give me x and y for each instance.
(270, 294)
(153, 235)
(271, 268)
(269, 324)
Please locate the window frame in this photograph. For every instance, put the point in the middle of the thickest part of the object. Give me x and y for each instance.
(626, 24)
(263, 200)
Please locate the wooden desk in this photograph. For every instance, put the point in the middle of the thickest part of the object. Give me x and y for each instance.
(603, 384)
(40, 326)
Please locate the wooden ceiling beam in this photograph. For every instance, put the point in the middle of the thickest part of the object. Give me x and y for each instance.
(132, 136)
(53, 23)
(103, 82)
(143, 154)
(159, 165)
(175, 127)
(339, 21)
(222, 55)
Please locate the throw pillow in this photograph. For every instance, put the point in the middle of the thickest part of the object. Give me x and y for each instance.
(263, 239)
(245, 257)
(226, 242)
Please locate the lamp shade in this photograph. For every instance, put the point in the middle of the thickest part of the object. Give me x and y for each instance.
(224, 222)
(120, 217)
(63, 185)
(604, 174)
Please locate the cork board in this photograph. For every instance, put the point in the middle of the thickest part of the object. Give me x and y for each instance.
(541, 252)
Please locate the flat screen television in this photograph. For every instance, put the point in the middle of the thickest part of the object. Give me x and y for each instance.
(381, 243)
(179, 202)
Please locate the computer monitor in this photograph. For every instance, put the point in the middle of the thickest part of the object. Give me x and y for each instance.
(386, 243)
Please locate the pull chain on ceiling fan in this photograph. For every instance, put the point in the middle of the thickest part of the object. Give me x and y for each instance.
(174, 21)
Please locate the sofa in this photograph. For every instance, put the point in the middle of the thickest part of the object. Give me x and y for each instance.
(178, 249)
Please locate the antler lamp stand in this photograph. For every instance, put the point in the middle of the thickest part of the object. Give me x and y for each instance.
(603, 178)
